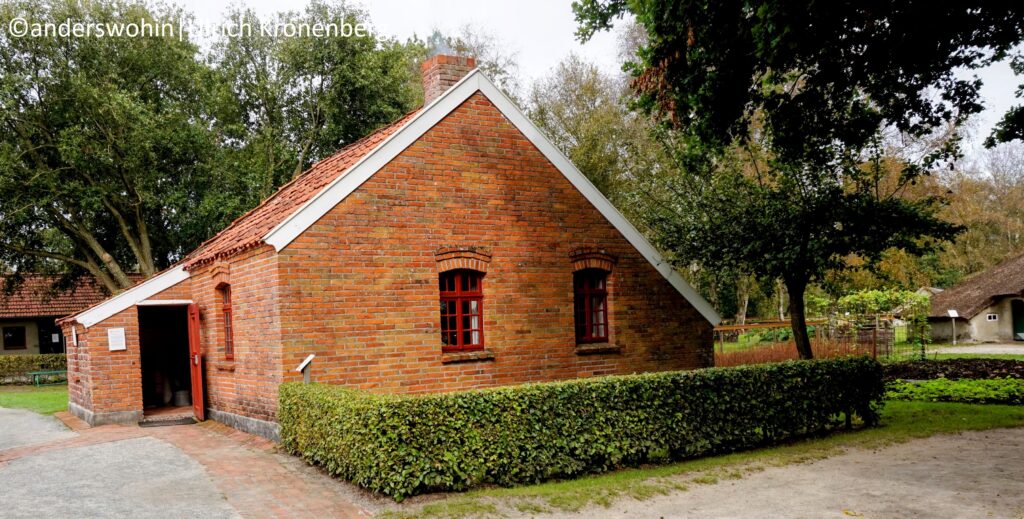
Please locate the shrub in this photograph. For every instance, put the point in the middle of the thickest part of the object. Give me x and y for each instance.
(993, 391)
(405, 445)
(14, 368)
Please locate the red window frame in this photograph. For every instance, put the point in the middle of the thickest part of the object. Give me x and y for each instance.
(227, 314)
(462, 310)
(590, 287)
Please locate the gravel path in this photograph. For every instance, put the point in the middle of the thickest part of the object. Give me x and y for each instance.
(975, 474)
(140, 477)
(983, 349)
(20, 427)
(206, 470)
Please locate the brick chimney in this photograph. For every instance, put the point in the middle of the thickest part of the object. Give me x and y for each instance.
(440, 72)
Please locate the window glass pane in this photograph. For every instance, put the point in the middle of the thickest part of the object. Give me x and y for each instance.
(461, 319)
(14, 338)
(447, 283)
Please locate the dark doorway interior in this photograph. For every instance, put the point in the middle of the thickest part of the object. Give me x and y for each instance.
(50, 338)
(1017, 309)
(166, 380)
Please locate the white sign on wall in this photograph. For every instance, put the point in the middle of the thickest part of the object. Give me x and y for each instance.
(54, 338)
(115, 339)
(74, 335)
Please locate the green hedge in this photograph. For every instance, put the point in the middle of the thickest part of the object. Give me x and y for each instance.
(995, 391)
(405, 445)
(13, 368)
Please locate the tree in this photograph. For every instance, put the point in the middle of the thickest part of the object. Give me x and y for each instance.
(121, 154)
(581, 110)
(98, 133)
(779, 109)
(290, 101)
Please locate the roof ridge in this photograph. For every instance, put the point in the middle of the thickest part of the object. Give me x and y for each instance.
(196, 256)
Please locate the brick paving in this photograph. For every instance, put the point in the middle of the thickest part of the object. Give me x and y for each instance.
(256, 479)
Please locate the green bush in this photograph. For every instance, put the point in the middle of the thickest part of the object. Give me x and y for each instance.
(14, 368)
(993, 391)
(405, 445)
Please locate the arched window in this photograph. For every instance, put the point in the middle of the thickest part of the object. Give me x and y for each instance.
(590, 287)
(462, 299)
(225, 309)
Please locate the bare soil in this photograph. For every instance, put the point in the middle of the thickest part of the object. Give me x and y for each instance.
(954, 369)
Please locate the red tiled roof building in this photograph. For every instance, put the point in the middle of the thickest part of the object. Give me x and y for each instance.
(453, 249)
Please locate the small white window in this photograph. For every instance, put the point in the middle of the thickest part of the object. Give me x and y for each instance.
(992, 317)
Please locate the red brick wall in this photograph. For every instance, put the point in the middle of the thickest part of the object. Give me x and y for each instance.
(79, 368)
(360, 289)
(105, 381)
(246, 385)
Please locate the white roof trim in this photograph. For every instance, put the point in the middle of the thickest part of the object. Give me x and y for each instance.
(133, 296)
(475, 81)
(164, 302)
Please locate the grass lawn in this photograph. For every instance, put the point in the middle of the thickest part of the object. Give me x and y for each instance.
(43, 400)
(901, 421)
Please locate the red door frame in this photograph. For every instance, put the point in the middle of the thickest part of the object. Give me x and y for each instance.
(196, 362)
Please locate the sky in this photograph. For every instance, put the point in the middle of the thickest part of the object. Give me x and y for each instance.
(541, 33)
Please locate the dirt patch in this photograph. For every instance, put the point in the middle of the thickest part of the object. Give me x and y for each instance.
(954, 369)
(974, 474)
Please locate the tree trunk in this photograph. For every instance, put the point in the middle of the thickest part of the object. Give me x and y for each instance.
(797, 317)
(782, 306)
(743, 289)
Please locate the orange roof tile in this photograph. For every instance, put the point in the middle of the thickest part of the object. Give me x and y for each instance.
(248, 230)
(35, 298)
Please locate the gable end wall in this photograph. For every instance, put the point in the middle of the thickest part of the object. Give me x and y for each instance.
(359, 287)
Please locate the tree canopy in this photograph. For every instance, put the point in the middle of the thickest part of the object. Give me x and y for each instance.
(120, 155)
(785, 114)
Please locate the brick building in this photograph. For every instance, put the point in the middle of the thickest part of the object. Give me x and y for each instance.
(29, 313)
(455, 248)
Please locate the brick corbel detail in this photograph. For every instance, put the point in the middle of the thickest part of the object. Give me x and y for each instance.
(472, 258)
(221, 274)
(592, 258)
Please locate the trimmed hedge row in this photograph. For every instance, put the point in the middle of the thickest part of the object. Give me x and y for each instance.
(14, 368)
(405, 445)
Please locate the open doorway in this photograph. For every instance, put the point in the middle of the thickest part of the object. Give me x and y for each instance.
(1017, 309)
(166, 375)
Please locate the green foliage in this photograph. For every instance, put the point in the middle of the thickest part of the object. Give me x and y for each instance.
(13, 368)
(784, 116)
(871, 302)
(101, 137)
(42, 400)
(583, 112)
(967, 391)
(817, 306)
(405, 445)
(123, 154)
(911, 306)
